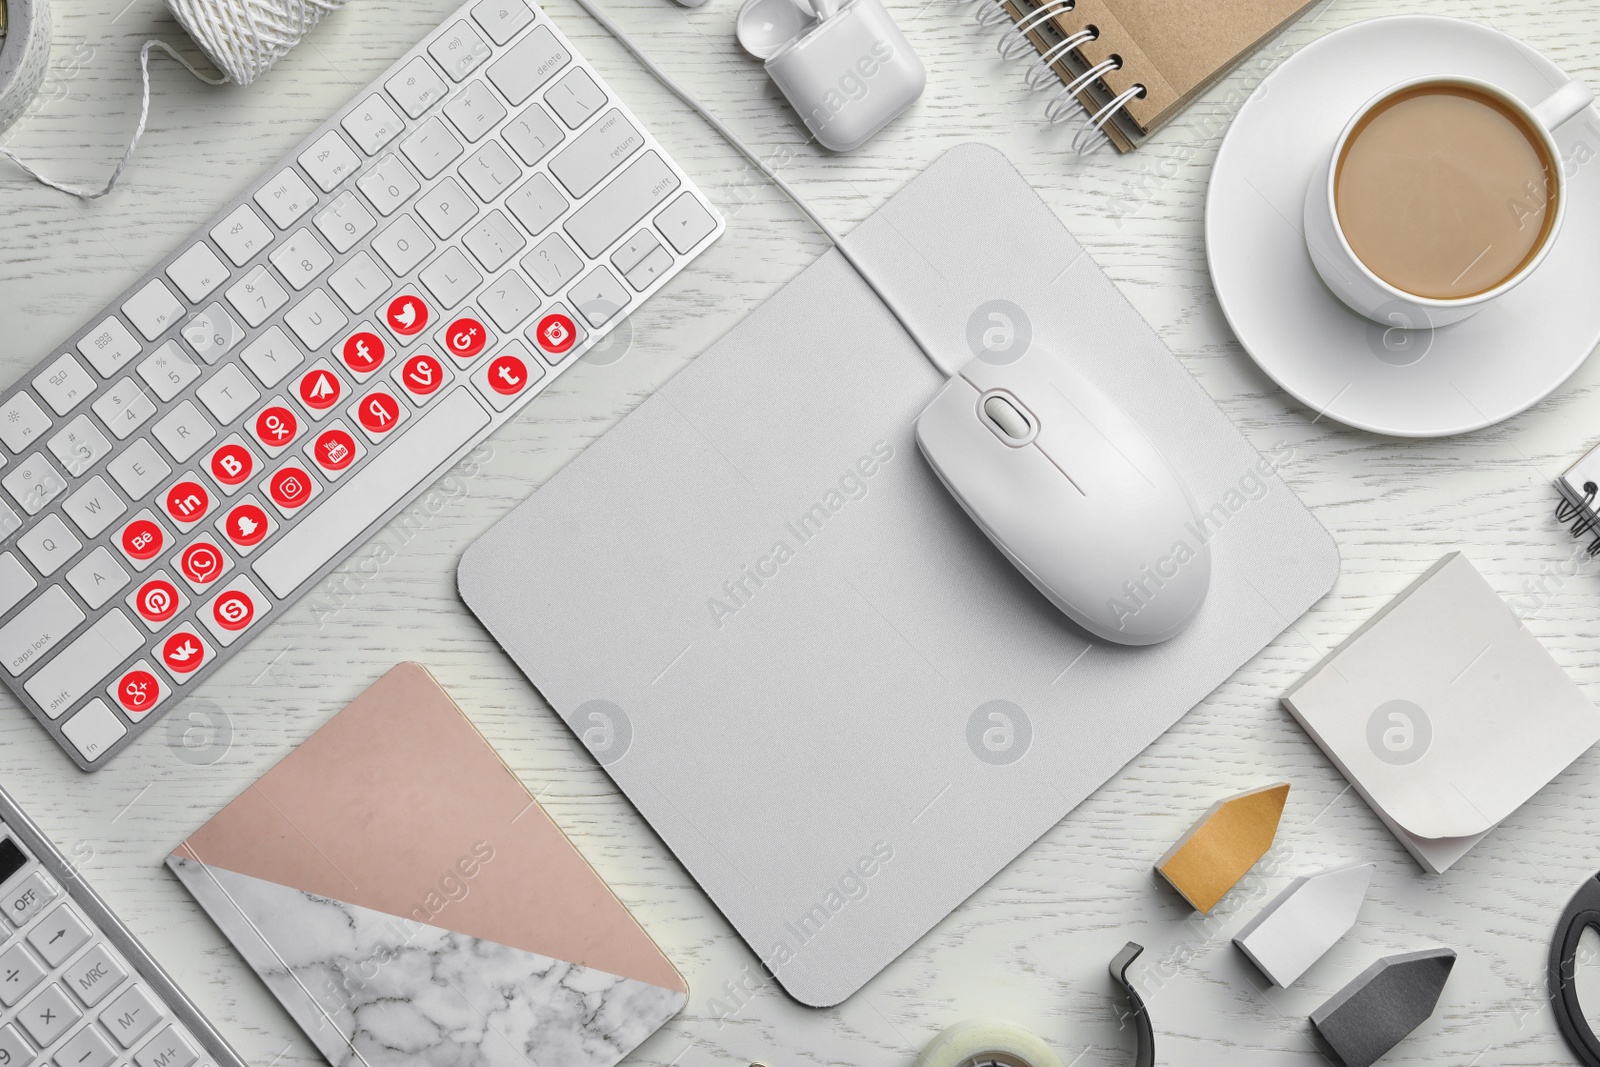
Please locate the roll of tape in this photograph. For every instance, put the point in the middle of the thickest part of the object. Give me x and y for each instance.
(986, 1042)
(24, 55)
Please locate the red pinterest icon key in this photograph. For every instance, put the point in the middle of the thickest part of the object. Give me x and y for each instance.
(231, 464)
(465, 338)
(363, 352)
(407, 315)
(157, 600)
(142, 539)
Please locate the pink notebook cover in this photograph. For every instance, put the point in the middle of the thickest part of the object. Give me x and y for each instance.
(407, 899)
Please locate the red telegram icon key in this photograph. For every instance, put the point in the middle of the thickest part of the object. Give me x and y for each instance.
(320, 390)
(407, 315)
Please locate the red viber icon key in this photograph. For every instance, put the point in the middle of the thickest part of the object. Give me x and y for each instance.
(407, 315)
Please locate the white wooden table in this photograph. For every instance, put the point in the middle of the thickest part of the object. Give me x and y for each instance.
(1033, 944)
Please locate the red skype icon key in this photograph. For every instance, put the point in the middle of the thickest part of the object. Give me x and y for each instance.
(142, 539)
(556, 333)
(138, 691)
(233, 610)
(157, 600)
(407, 315)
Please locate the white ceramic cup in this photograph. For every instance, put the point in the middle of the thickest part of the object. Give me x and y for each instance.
(1350, 279)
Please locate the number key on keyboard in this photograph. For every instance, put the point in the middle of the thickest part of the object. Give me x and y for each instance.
(388, 184)
(344, 222)
(212, 333)
(123, 408)
(79, 445)
(34, 483)
(300, 258)
(168, 370)
(257, 295)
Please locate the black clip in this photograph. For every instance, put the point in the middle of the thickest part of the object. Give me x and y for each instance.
(1145, 1053)
(1582, 913)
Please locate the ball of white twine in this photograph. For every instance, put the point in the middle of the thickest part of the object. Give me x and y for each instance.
(244, 38)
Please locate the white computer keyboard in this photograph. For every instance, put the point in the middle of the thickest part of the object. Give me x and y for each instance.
(76, 988)
(216, 440)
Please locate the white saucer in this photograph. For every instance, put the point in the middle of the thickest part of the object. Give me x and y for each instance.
(1453, 379)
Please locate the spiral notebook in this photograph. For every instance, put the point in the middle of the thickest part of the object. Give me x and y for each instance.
(1579, 485)
(1132, 64)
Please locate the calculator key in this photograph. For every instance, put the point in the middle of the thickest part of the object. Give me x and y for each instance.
(28, 898)
(552, 263)
(48, 1015)
(432, 148)
(212, 333)
(234, 610)
(316, 319)
(227, 393)
(15, 584)
(34, 483)
(168, 1049)
(329, 160)
(388, 184)
(359, 282)
(93, 977)
(49, 545)
(241, 235)
(257, 295)
(108, 347)
(528, 65)
(64, 384)
(508, 301)
(183, 430)
(285, 198)
(153, 309)
(596, 152)
(93, 507)
(198, 272)
(246, 525)
(344, 222)
(19, 973)
(450, 278)
(95, 729)
(58, 935)
(14, 1051)
(402, 245)
(142, 540)
(138, 469)
(157, 600)
(79, 445)
(475, 111)
(231, 464)
(98, 577)
(459, 51)
(685, 223)
(123, 408)
(501, 19)
(575, 98)
(291, 487)
(86, 1048)
(21, 420)
(373, 124)
(271, 356)
(168, 370)
(300, 258)
(508, 375)
(130, 1016)
(416, 87)
(183, 653)
(533, 134)
(319, 389)
(137, 692)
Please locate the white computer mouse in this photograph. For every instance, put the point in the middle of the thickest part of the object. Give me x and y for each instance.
(1073, 492)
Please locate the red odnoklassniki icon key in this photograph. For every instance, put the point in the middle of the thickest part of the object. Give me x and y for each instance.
(231, 464)
(142, 539)
(247, 525)
(276, 426)
(182, 652)
(422, 374)
(157, 600)
(363, 352)
(407, 315)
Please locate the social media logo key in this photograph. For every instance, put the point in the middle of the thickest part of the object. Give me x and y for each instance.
(201, 562)
(422, 374)
(465, 338)
(157, 600)
(556, 333)
(378, 412)
(335, 449)
(276, 426)
(138, 691)
(183, 652)
(142, 539)
(233, 610)
(407, 315)
(247, 525)
(363, 352)
(507, 375)
(320, 390)
(290, 487)
(188, 502)
(232, 464)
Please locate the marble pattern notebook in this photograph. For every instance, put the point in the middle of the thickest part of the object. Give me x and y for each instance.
(407, 900)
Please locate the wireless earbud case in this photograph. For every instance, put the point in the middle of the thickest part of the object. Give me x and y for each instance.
(849, 75)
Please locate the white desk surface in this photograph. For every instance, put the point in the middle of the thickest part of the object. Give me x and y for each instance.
(1031, 945)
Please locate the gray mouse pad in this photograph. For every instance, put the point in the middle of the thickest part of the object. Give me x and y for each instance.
(821, 684)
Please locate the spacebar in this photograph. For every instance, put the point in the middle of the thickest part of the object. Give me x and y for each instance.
(370, 492)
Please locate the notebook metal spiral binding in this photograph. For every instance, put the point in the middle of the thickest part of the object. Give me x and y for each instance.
(1014, 43)
(1582, 515)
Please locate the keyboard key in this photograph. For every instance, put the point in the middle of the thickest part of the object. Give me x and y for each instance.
(464, 338)
(329, 161)
(403, 245)
(320, 389)
(409, 461)
(157, 600)
(59, 935)
(169, 1049)
(508, 375)
(10, 521)
(226, 394)
(291, 487)
(94, 977)
(14, 1051)
(109, 347)
(362, 352)
(450, 278)
(236, 608)
(285, 198)
(139, 469)
(537, 204)
(596, 152)
(34, 483)
(647, 270)
(494, 241)
(168, 370)
(123, 408)
(231, 463)
(198, 272)
(49, 544)
(92, 731)
(373, 124)
(93, 507)
(138, 691)
(334, 451)
(615, 209)
(599, 296)
(552, 263)
(378, 413)
(202, 562)
(83, 664)
(632, 252)
(184, 652)
(316, 319)
(86, 1048)
(475, 111)
(344, 222)
(29, 897)
(79, 445)
(575, 98)
(359, 282)
(212, 333)
(142, 540)
(275, 427)
(532, 134)
(271, 357)
(528, 65)
(432, 148)
(48, 1016)
(98, 577)
(19, 973)
(257, 295)
(300, 259)
(490, 171)
(246, 525)
(557, 334)
(446, 208)
(183, 430)
(15, 582)
(388, 184)
(186, 502)
(421, 377)
(130, 1016)
(64, 384)
(508, 301)
(416, 87)
(241, 235)
(21, 420)
(501, 19)
(407, 314)
(152, 309)
(459, 51)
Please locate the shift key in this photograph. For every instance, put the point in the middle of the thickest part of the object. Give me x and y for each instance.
(637, 191)
(597, 152)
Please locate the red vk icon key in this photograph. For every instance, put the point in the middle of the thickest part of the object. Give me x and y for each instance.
(142, 539)
(183, 652)
(233, 610)
(407, 315)
(138, 691)
(507, 375)
(232, 464)
(320, 390)
(276, 427)
(335, 449)
(465, 338)
(157, 600)
(202, 563)
(247, 525)
(378, 412)
(556, 333)
(363, 352)
(422, 374)
(188, 502)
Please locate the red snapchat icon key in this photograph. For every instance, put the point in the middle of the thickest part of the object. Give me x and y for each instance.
(157, 600)
(142, 539)
(188, 502)
(232, 464)
(422, 374)
(320, 390)
(247, 525)
(465, 338)
(183, 652)
(363, 352)
(556, 333)
(407, 315)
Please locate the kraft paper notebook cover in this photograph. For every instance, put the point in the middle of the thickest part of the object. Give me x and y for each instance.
(894, 712)
(407, 900)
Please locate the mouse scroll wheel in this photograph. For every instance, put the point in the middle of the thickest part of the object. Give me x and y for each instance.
(1005, 415)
